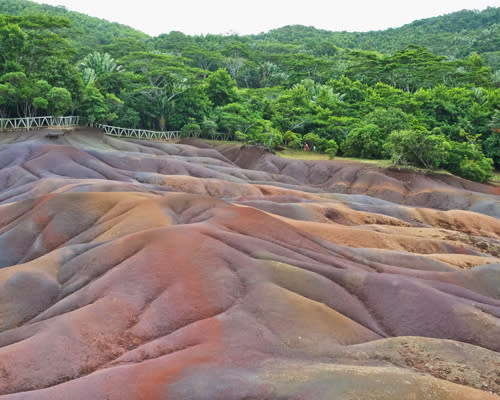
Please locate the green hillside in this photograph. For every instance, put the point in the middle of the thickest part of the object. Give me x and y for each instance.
(456, 35)
(87, 33)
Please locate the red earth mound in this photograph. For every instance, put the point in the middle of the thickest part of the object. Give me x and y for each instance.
(145, 270)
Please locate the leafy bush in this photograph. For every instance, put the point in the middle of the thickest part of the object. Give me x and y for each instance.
(289, 137)
(240, 136)
(388, 120)
(59, 101)
(418, 148)
(208, 127)
(365, 142)
(332, 148)
(271, 138)
(468, 161)
(492, 147)
(128, 117)
(296, 143)
(191, 129)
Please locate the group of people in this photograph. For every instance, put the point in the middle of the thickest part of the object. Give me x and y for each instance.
(306, 147)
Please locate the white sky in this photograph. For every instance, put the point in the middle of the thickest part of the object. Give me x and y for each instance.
(254, 16)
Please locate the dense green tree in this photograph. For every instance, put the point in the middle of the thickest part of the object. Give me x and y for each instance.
(366, 141)
(59, 101)
(234, 117)
(160, 79)
(12, 40)
(492, 144)
(293, 110)
(388, 120)
(221, 88)
(44, 37)
(61, 73)
(193, 104)
(94, 105)
(22, 95)
(468, 161)
(7, 99)
(417, 147)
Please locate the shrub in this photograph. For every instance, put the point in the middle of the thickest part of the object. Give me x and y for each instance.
(365, 142)
(491, 147)
(296, 143)
(289, 137)
(240, 136)
(191, 129)
(331, 148)
(208, 127)
(418, 148)
(468, 161)
(59, 101)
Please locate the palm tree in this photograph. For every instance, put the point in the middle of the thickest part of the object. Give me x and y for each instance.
(96, 64)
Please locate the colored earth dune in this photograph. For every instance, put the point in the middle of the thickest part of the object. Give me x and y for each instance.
(146, 270)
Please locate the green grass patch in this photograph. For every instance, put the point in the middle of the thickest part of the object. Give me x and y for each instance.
(378, 163)
(312, 155)
(302, 155)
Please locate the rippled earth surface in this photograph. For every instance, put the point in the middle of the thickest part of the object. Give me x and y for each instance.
(143, 270)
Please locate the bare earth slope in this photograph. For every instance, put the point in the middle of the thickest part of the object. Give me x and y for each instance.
(142, 270)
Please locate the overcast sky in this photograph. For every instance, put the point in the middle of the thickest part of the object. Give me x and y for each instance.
(255, 16)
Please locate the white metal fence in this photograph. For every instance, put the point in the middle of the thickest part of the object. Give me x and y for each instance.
(33, 123)
(138, 133)
(29, 123)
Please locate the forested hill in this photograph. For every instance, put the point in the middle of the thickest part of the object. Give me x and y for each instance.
(369, 95)
(456, 35)
(87, 33)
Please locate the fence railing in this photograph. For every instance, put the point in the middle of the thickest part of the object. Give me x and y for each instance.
(138, 133)
(29, 123)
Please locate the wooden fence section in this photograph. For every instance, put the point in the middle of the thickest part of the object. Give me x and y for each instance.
(29, 123)
(138, 133)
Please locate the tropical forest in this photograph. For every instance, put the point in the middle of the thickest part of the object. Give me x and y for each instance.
(426, 94)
